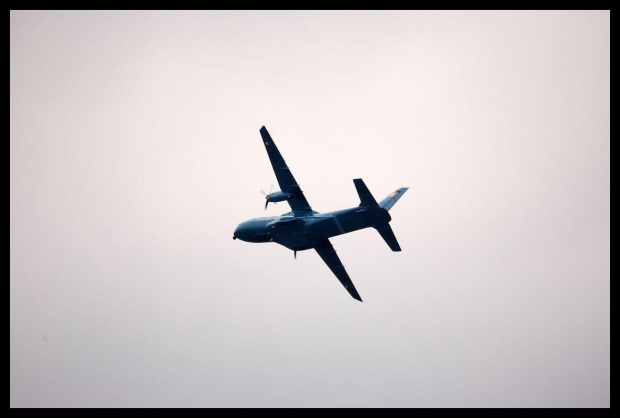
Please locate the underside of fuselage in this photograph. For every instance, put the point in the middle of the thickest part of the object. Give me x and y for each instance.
(300, 233)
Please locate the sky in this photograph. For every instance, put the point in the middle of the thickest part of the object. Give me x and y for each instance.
(135, 152)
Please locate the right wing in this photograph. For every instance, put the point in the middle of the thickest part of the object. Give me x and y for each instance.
(329, 256)
(287, 182)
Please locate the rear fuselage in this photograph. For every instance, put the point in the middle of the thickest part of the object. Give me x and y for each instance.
(300, 233)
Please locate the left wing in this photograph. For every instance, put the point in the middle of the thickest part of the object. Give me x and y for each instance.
(328, 254)
(287, 182)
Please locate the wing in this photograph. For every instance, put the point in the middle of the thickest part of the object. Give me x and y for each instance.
(287, 182)
(328, 254)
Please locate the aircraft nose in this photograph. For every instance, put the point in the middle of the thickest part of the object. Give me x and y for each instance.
(241, 232)
(251, 231)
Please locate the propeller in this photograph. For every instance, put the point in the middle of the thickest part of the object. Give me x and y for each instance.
(267, 195)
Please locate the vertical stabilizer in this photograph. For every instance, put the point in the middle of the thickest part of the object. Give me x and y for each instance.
(389, 201)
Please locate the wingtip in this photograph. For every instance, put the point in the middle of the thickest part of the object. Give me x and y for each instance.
(264, 133)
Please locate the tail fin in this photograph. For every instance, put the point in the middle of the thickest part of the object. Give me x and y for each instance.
(366, 198)
(389, 201)
(388, 235)
(384, 228)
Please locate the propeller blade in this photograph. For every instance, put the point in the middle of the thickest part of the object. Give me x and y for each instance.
(267, 195)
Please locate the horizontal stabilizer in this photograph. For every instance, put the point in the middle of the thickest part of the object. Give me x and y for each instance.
(366, 198)
(388, 235)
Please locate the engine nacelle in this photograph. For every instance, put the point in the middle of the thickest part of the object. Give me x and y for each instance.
(278, 196)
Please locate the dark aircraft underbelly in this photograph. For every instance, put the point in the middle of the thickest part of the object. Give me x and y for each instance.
(302, 237)
(339, 224)
(291, 235)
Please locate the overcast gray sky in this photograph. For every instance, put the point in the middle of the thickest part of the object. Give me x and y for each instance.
(135, 152)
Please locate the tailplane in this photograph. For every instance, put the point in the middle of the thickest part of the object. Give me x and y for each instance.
(384, 228)
(366, 198)
(388, 235)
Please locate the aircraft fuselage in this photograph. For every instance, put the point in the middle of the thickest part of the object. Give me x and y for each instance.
(304, 228)
(300, 233)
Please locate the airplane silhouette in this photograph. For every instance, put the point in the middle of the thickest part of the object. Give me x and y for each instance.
(303, 228)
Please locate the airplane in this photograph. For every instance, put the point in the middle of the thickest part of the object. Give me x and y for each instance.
(304, 229)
